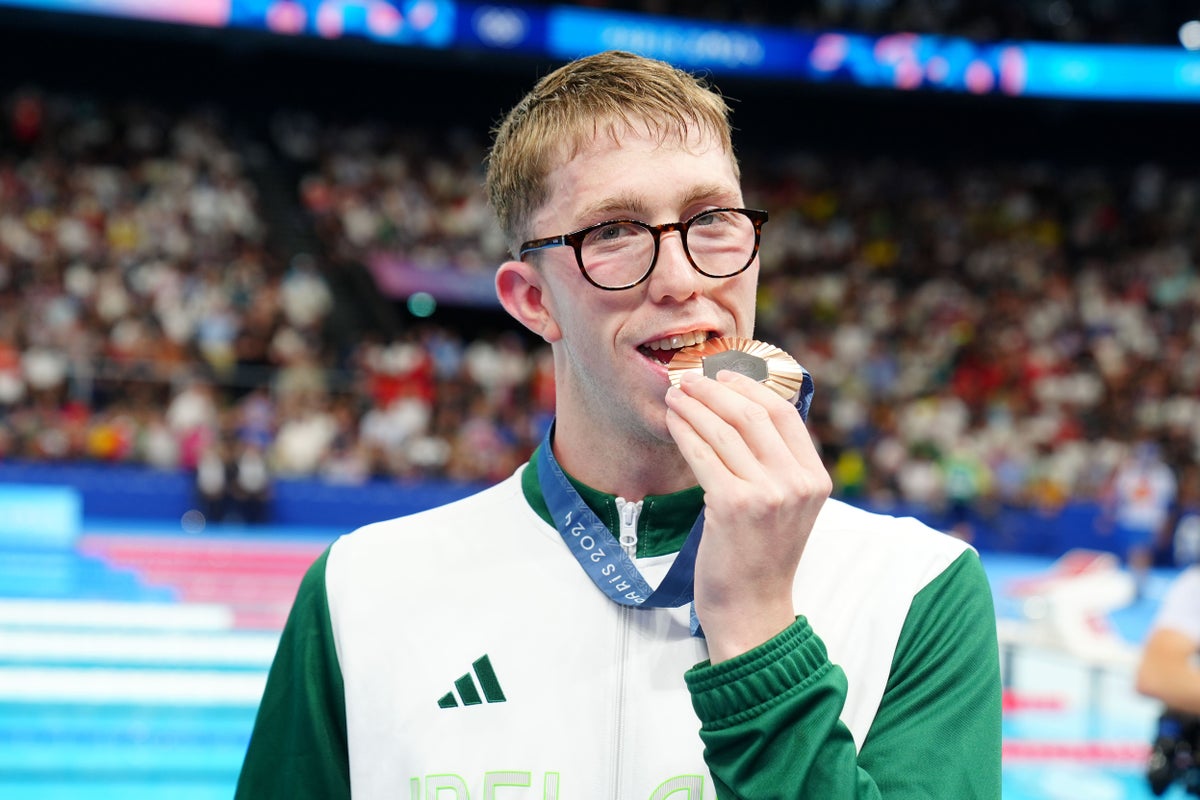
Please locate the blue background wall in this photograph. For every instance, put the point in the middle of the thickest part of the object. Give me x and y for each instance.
(134, 493)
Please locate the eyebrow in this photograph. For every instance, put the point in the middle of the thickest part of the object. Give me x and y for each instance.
(635, 206)
(721, 193)
(615, 205)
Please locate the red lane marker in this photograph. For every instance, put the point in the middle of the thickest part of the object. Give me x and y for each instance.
(1014, 701)
(1123, 753)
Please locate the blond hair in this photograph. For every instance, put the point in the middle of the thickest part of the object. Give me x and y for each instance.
(567, 108)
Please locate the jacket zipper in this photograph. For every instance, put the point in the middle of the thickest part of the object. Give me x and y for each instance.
(628, 512)
(618, 778)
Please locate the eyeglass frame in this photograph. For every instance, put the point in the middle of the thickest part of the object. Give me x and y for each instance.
(574, 239)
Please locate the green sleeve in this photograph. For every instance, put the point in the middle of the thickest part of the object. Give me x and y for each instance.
(770, 717)
(298, 747)
(942, 705)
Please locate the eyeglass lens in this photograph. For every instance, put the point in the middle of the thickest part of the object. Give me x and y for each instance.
(720, 243)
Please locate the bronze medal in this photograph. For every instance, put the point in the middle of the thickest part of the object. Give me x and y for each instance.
(763, 362)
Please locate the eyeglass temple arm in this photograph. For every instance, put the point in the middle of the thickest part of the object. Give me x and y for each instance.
(542, 244)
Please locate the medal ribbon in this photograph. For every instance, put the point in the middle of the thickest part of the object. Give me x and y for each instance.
(599, 552)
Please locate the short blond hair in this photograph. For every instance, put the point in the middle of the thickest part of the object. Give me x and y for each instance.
(608, 92)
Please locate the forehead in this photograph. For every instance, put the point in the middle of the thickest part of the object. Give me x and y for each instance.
(632, 168)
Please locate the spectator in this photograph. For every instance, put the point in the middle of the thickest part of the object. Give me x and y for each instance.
(250, 485)
(213, 490)
(1185, 521)
(1139, 504)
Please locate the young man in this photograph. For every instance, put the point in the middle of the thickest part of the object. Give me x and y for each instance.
(500, 646)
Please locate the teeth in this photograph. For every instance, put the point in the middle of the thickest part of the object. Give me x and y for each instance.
(681, 340)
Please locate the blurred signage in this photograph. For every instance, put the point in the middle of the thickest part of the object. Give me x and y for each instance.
(907, 61)
(399, 279)
(502, 27)
(426, 23)
(1165, 74)
(206, 13)
(899, 61)
(573, 32)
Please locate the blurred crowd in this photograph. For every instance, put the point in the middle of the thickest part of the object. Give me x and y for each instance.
(143, 318)
(980, 333)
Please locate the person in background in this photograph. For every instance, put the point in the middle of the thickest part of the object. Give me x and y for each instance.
(1185, 521)
(213, 474)
(1139, 503)
(668, 561)
(250, 485)
(1168, 671)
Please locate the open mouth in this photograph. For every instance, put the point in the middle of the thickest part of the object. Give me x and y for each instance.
(663, 350)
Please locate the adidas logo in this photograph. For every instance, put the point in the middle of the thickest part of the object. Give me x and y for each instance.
(492, 693)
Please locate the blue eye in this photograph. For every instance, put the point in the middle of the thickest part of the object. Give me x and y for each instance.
(611, 232)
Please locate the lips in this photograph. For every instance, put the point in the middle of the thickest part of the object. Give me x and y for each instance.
(664, 349)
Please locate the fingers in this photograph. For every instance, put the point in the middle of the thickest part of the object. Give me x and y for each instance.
(764, 486)
(738, 421)
(713, 464)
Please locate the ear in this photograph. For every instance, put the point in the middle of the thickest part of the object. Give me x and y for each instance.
(521, 290)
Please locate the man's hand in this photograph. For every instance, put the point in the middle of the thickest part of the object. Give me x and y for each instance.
(764, 484)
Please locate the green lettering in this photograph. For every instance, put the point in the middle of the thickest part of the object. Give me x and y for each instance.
(492, 780)
(692, 787)
(550, 786)
(436, 784)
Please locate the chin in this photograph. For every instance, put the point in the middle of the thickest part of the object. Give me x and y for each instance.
(654, 428)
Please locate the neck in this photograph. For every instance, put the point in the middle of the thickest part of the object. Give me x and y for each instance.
(620, 464)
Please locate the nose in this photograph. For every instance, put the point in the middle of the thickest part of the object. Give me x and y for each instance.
(674, 278)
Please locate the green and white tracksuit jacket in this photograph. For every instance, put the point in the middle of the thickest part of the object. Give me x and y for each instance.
(463, 653)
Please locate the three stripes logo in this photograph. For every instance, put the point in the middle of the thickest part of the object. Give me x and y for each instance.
(467, 690)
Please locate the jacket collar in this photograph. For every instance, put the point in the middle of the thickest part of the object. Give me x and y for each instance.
(663, 524)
